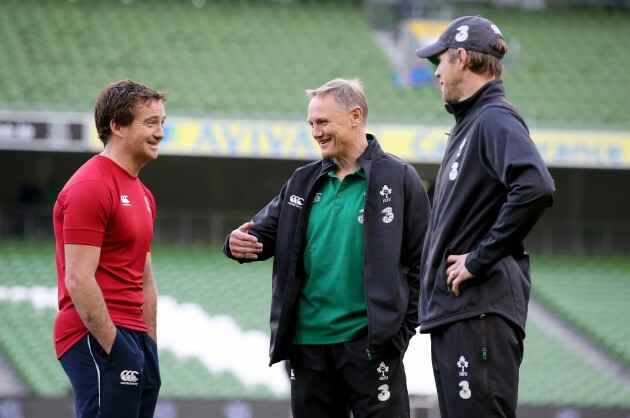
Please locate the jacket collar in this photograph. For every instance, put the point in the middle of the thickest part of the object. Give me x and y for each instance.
(490, 91)
(372, 151)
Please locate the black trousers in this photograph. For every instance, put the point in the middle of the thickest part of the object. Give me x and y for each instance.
(334, 380)
(476, 364)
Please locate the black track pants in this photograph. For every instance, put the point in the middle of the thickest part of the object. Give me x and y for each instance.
(333, 380)
(475, 364)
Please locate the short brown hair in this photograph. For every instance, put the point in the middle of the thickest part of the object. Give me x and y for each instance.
(118, 101)
(482, 63)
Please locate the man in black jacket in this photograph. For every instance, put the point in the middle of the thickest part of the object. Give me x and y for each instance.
(346, 234)
(491, 189)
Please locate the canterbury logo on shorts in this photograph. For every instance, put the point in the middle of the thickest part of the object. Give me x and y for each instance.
(128, 377)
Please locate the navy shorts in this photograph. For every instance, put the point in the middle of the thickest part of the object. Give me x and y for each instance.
(124, 383)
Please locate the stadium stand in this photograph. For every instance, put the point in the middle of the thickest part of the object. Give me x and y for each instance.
(552, 71)
(590, 293)
(256, 57)
(25, 340)
(216, 283)
(553, 373)
(189, 379)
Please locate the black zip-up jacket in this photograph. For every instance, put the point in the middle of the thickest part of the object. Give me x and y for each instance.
(396, 214)
(491, 190)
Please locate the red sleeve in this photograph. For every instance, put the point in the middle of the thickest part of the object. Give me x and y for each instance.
(87, 208)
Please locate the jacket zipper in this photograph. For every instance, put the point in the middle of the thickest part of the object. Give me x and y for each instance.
(367, 308)
(303, 217)
(484, 364)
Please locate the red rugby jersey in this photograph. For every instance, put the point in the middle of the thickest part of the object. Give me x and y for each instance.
(105, 206)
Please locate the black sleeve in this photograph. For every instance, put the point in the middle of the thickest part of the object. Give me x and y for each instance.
(417, 213)
(509, 154)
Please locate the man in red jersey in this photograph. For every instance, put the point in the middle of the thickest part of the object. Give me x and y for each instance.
(105, 331)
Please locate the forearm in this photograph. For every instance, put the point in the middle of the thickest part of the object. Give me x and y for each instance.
(512, 227)
(90, 304)
(149, 309)
(149, 294)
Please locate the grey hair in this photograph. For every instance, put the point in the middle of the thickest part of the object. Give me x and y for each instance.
(348, 93)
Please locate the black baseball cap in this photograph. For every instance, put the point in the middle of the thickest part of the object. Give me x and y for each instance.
(469, 32)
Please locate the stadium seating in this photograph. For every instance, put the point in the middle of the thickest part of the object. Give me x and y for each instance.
(26, 341)
(189, 379)
(218, 284)
(562, 67)
(553, 373)
(591, 294)
(256, 57)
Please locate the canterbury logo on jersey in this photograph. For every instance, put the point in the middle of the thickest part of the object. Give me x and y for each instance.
(296, 201)
(128, 377)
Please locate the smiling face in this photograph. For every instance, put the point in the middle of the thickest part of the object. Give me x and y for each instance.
(142, 137)
(331, 126)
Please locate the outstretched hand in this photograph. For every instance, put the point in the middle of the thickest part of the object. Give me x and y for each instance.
(244, 245)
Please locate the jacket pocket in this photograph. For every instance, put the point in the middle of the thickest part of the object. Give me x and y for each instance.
(361, 349)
